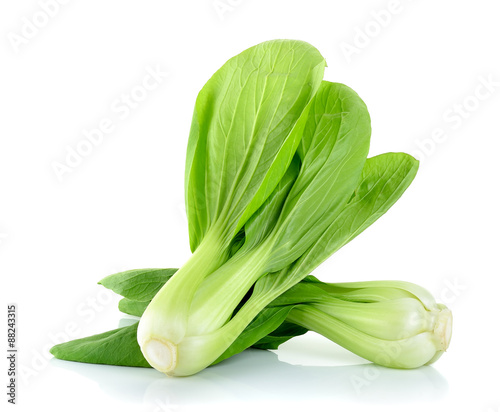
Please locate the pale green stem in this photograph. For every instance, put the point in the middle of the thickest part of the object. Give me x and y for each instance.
(164, 322)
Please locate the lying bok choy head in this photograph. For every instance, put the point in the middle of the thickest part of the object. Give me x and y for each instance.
(391, 323)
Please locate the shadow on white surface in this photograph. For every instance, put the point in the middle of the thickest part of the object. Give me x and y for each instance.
(257, 375)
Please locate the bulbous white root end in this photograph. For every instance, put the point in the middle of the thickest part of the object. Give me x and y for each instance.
(443, 328)
(161, 354)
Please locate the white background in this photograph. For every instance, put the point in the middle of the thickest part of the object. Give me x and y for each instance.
(121, 207)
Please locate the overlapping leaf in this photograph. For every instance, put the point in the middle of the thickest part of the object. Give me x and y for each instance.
(247, 123)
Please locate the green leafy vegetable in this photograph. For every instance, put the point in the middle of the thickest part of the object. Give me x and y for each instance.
(277, 179)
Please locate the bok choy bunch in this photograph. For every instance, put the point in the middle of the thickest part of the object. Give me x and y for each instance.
(277, 179)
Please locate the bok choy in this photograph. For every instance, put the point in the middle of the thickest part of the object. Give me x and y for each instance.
(277, 180)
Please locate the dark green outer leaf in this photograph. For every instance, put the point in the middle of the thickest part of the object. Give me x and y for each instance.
(283, 333)
(115, 347)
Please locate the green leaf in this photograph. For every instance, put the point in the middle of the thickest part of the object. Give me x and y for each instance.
(261, 224)
(139, 284)
(132, 307)
(383, 181)
(115, 347)
(337, 137)
(247, 123)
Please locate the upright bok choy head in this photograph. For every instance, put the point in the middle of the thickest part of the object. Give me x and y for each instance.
(332, 154)
(247, 123)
